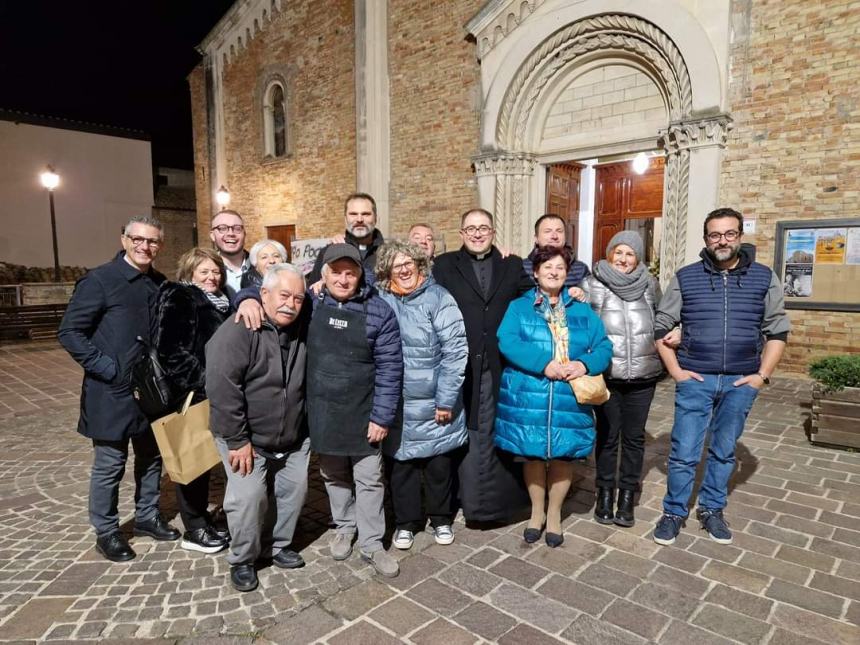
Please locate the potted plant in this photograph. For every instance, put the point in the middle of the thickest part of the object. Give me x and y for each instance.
(836, 401)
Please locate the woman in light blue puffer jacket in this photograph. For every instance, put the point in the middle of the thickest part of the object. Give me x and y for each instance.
(431, 425)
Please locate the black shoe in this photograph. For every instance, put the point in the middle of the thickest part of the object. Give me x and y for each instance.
(243, 577)
(288, 559)
(115, 547)
(553, 539)
(532, 535)
(603, 508)
(221, 531)
(157, 529)
(624, 513)
(203, 540)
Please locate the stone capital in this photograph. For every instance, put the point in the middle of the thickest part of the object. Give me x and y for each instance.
(504, 163)
(699, 133)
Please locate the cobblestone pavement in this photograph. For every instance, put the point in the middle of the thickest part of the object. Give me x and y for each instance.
(792, 575)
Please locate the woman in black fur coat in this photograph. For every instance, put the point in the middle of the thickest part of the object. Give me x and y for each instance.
(189, 312)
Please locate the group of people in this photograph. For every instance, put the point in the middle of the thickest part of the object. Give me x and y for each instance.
(445, 380)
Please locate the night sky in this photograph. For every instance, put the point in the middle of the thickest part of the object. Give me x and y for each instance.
(121, 63)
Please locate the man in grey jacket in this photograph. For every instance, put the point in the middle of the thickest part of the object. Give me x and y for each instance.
(255, 380)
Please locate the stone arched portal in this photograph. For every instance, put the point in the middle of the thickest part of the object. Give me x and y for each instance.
(521, 76)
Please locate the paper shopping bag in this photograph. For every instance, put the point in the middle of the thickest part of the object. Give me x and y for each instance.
(186, 444)
(590, 390)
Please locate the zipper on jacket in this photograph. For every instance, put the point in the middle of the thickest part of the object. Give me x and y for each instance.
(628, 340)
(549, 422)
(725, 317)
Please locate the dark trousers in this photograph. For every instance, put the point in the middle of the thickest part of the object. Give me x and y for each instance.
(405, 481)
(109, 459)
(193, 501)
(622, 417)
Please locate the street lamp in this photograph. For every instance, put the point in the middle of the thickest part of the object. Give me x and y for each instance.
(222, 197)
(51, 180)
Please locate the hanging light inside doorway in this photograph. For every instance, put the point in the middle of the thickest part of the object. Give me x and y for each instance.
(222, 197)
(640, 163)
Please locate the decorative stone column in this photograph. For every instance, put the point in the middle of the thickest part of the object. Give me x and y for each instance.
(504, 186)
(693, 151)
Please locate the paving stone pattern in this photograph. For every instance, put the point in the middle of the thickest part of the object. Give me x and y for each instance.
(791, 576)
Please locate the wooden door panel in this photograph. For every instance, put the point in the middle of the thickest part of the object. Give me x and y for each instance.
(285, 235)
(562, 196)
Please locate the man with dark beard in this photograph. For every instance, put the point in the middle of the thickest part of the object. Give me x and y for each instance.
(359, 214)
(734, 325)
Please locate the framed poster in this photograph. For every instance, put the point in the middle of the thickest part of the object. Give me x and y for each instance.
(818, 262)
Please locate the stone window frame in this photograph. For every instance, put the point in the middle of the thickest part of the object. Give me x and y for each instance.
(265, 88)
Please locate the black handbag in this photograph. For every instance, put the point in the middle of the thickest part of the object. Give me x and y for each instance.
(150, 385)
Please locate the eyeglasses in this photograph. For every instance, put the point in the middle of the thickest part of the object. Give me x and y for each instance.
(730, 236)
(406, 266)
(483, 230)
(223, 229)
(137, 240)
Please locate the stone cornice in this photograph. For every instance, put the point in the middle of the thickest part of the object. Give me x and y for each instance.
(700, 133)
(238, 27)
(497, 19)
(504, 163)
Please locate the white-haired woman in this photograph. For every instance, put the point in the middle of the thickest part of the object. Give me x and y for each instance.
(263, 254)
(431, 425)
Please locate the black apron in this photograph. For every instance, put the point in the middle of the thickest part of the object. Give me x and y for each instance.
(340, 380)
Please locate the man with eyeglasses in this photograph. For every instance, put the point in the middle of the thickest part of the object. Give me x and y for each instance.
(228, 235)
(483, 283)
(111, 308)
(734, 330)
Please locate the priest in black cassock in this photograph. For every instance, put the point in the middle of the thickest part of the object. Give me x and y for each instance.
(483, 283)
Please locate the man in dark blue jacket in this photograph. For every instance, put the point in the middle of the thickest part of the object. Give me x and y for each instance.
(550, 231)
(110, 309)
(734, 330)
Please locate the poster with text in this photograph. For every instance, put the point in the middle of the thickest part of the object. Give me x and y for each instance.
(304, 252)
(800, 246)
(797, 281)
(852, 246)
(830, 246)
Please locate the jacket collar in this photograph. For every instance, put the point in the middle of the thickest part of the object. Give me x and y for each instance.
(743, 265)
(538, 297)
(376, 241)
(128, 271)
(464, 265)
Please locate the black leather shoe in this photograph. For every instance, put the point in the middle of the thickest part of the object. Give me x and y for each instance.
(157, 529)
(221, 531)
(288, 559)
(624, 513)
(203, 540)
(553, 539)
(603, 508)
(115, 547)
(531, 535)
(243, 576)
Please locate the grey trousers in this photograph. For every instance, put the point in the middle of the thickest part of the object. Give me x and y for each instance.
(263, 507)
(356, 491)
(109, 459)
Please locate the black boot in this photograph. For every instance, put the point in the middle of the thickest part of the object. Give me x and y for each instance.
(603, 509)
(624, 514)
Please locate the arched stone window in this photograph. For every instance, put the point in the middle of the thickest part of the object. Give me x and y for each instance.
(275, 122)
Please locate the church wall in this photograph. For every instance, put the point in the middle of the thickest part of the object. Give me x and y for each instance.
(794, 153)
(435, 114)
(199, 124)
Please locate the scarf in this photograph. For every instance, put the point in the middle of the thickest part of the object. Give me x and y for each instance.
(556, 317)
(218, 300)
(627, 286)
(399, 291)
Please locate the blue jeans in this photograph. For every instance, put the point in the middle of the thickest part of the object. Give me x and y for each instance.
(713, 405)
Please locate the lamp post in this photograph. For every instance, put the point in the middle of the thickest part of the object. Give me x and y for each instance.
(222, 197)
(51, 180)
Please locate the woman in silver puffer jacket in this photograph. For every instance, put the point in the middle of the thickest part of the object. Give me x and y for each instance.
(625, 295)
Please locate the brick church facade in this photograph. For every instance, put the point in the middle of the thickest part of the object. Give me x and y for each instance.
(524, 106)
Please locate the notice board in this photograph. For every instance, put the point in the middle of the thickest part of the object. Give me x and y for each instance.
(818, 262)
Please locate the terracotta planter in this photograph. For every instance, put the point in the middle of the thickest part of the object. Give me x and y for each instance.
(835, 417)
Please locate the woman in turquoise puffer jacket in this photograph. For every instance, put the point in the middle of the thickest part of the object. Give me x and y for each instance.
(547, 339)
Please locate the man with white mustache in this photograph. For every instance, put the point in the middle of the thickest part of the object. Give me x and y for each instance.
(255, 380)
(359, 214)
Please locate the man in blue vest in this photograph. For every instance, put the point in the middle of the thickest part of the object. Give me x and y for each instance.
(734, 330)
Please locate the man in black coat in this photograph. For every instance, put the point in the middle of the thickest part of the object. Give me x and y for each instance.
(483, 283)
(359, 214)
(111, 307)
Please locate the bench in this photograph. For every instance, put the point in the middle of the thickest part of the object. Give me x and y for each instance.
(35, 322)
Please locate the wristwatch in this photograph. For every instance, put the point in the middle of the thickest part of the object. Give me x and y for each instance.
(765, 379)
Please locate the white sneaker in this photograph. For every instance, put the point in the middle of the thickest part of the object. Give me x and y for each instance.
(403, 539)
(443, 534)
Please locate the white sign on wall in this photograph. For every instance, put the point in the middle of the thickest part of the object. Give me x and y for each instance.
(304, 252)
